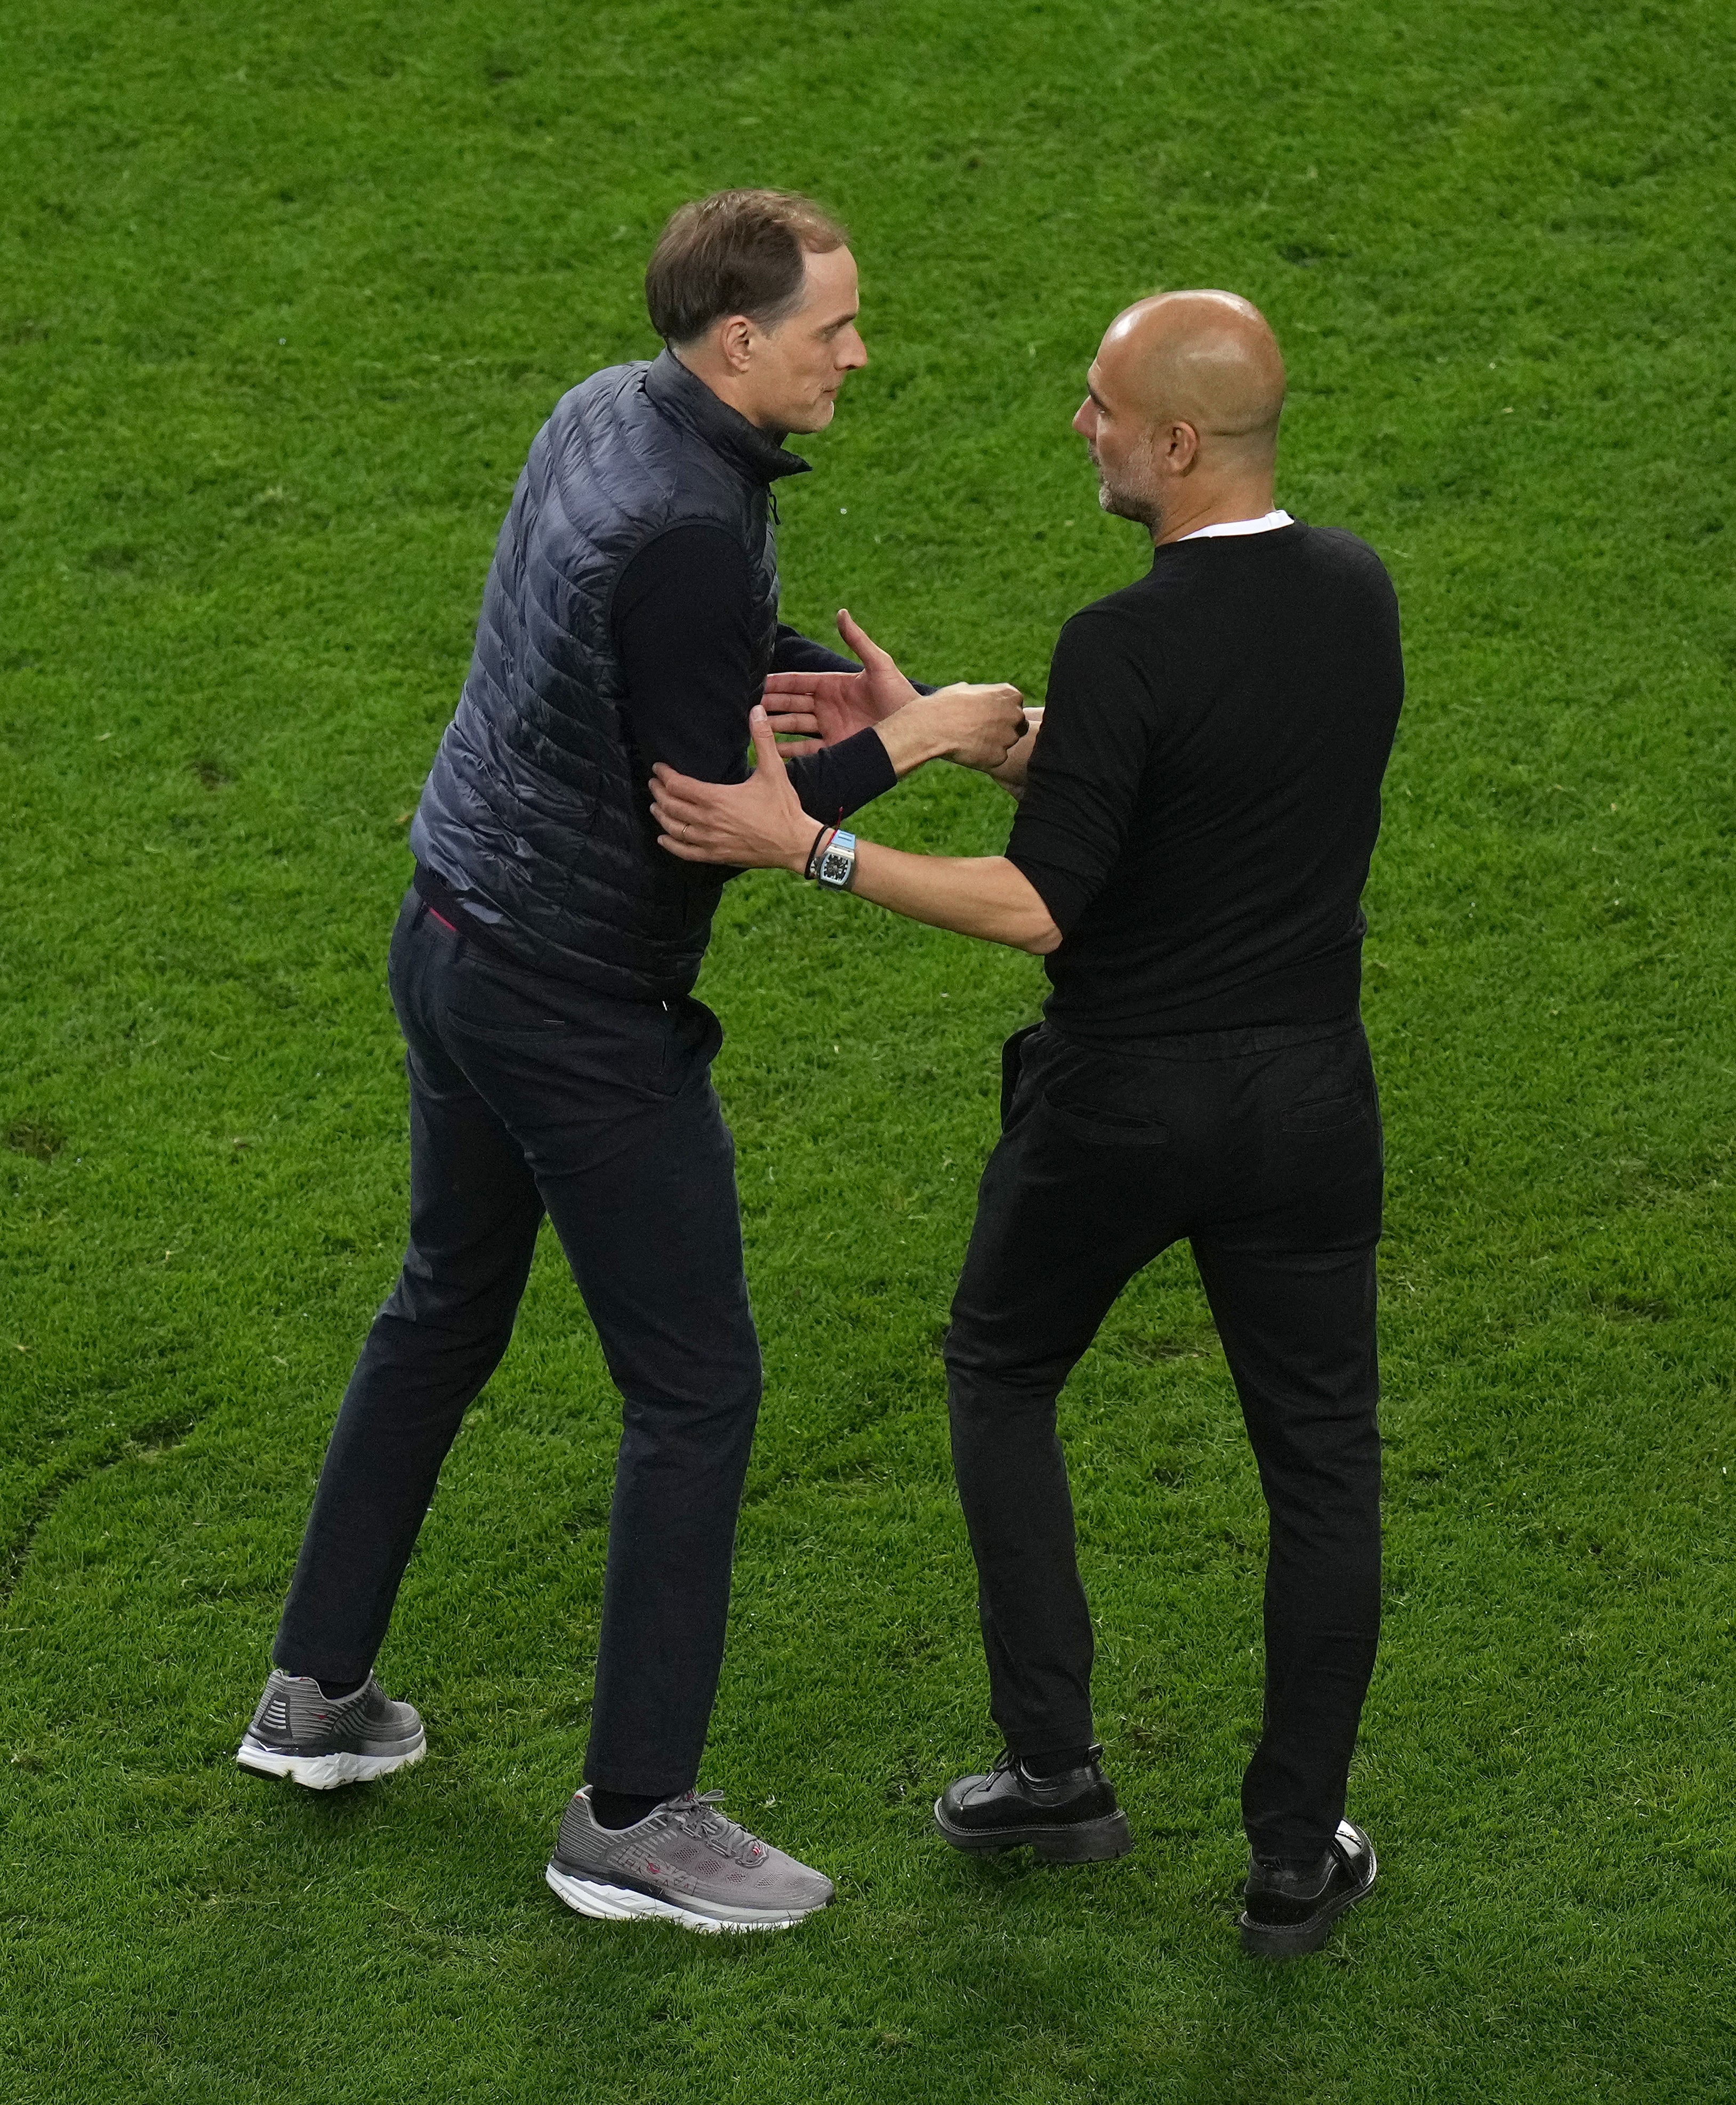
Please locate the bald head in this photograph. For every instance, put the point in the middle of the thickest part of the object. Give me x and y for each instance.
(1186, 393)
(1209, 358)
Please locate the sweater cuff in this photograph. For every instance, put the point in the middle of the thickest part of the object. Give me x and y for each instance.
(840, 779)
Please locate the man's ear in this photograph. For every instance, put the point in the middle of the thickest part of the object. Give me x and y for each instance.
(735, 341)
(1181, 448)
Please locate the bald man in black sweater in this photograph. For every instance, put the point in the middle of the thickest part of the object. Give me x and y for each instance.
(1195, 830)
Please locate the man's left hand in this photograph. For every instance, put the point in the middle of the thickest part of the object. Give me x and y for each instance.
(755, 825)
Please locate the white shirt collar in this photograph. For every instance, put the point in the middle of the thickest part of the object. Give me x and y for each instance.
(1267, 524)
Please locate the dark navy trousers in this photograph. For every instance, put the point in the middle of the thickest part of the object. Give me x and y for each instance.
(528, 1096)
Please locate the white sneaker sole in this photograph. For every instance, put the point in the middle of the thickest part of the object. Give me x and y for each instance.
(607, 1903)
(324, 1771)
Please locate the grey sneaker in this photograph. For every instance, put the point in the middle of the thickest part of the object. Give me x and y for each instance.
(683, 1863)
(298, 1733)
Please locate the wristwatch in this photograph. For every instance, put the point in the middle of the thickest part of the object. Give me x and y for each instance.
(838, 864)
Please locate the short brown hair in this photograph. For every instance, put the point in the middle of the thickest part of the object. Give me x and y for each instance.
(737, 252)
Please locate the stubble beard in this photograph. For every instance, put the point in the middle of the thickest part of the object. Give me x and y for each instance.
(1141, 507)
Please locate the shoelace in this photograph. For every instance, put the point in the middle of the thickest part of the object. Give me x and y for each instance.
(700, 1814)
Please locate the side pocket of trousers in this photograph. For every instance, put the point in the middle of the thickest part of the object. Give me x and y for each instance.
(1012, 1062)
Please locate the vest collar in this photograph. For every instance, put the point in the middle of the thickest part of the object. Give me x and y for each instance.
(687, 400)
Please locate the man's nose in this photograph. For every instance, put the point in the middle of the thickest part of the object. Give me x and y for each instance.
(1084, 422)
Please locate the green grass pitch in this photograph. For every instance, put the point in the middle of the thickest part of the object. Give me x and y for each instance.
(283, 294)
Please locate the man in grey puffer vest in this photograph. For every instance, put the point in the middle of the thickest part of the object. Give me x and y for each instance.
(542, 970)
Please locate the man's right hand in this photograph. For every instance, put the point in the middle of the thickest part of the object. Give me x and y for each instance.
(975, 725)
(823, 708)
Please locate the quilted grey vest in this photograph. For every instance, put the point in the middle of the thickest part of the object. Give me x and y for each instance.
(535, 811)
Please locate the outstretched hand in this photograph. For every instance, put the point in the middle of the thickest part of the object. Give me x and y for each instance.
(822, 708)
(755, 825)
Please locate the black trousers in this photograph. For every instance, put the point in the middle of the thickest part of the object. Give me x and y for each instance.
(1263, 1148)
(529, 1095)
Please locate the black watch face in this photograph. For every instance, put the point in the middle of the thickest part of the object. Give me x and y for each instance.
(835, 868)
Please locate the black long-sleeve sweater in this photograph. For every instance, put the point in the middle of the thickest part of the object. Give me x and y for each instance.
(681, 625)
(682, 631)
(1205, 797)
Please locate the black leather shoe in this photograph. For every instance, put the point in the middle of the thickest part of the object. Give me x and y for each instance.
(1071, 1818)
(1290, 1912)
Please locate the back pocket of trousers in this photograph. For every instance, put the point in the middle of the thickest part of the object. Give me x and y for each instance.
(1326, 1114)
(1093, 1127)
